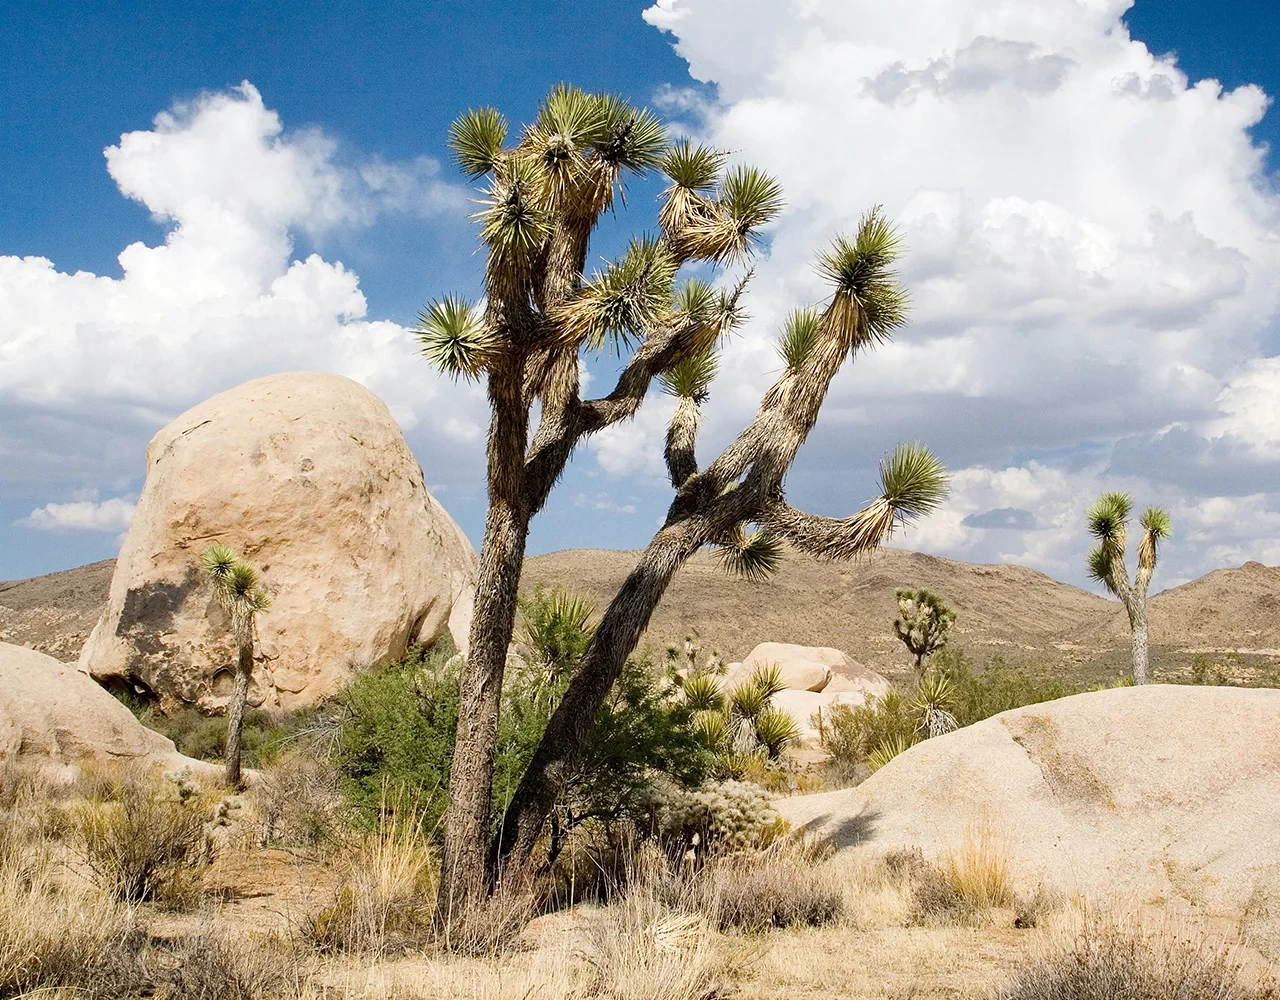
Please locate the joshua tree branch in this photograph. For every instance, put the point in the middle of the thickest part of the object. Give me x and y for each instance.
(682, 436)
(831, 537)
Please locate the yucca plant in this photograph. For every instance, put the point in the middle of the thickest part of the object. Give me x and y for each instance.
(887, 749)
(555, 627)
(236, 586)
(1108, 521)
(923, 623)
(934, 701)
(543, 192)
(702, 693)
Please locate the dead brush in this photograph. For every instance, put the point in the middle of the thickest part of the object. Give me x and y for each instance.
(963, 886)
(52, 939)
(144, 843)
(213, 966)
(1109, 959)
(783, 885)
(639, 949)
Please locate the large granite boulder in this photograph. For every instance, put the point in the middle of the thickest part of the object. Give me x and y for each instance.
(307, 476)
(1156, 792)
(52, 712)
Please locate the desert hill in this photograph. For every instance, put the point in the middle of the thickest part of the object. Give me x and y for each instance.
(1013, 611)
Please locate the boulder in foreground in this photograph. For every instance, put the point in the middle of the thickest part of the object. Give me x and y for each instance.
(50, 711)
(1155, 792)
(307, 476)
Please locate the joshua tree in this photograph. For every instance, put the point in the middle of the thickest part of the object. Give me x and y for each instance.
(544, 196)
(1109, 523)
(923, 623)
(235, 582)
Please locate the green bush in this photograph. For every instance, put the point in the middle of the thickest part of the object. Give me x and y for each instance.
(396, 735)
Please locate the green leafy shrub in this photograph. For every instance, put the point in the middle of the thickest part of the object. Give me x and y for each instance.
(396, 738)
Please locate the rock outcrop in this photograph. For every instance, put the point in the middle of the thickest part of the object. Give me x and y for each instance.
(815, 678)
(307, 476)
(1157, 792)
(51, 711)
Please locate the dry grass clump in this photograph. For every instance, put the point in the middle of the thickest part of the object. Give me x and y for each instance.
(782, 886)
(1108, 961)
(211, 966)
(51, 938)
(385, 899)
(145, 842)
(639, 949)
(965, 884)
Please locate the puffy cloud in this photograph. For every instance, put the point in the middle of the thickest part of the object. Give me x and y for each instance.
(83, 515)
(92, 365)
(1093, 255)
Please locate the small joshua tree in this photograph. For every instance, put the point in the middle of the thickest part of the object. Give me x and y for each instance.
(235, 582)
(923, 623)
(1109, 523)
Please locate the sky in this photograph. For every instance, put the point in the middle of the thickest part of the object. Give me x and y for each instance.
(195, 195)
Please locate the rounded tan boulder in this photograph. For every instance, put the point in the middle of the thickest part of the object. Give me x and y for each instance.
(50, 710)
(307, 476)
(1148, 793)
(810, 668)
(804, 707)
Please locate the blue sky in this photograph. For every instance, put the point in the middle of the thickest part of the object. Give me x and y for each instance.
(382, 82)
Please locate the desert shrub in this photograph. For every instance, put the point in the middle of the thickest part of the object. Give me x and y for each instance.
(1209, 671)
(298, 797)
(980, 694)
(884, 727)
(1107, 961)
(1031, 910)
(960, 886)
(212, 966)
(52, 939)
(781, 886)
(638, 949)
(145, 842)
(204, 737)
(396, 736)
(720, 816)
(385, 899)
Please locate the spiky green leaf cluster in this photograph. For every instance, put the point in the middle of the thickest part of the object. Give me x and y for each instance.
(702, 693)
(1108, 518)
(913, 481)
(633, 138)
(693, 166)
(800, 336)
(235, 582)
(1157, 521)
(476, 139)
(751, 197)
(515, 223)
(454, 339)
(627, 299)
(775, 731)
(869, 302)
(692, 377)
(754, 557)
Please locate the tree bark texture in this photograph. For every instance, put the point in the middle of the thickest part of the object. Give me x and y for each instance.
(463, 875)
(239, 700)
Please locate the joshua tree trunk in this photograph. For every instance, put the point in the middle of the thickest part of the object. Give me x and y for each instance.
(463, 877)
(239, 699)
(1138, 625)
(613, 641)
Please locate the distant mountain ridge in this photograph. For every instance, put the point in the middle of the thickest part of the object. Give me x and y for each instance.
(1012, 611)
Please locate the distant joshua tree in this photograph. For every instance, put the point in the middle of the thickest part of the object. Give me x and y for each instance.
(923, 623)
(236, 584)
(1109, 523)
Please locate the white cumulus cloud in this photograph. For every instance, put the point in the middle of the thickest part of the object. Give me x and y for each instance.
(1093, 256)
(83, 515)
(91, 365)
